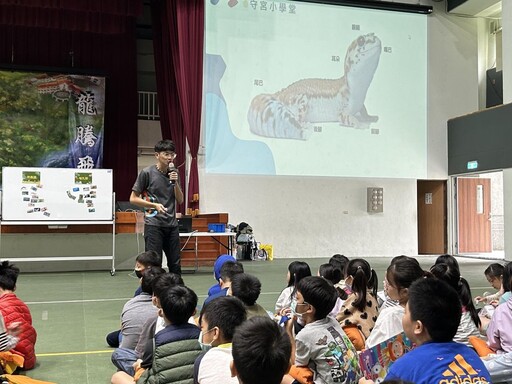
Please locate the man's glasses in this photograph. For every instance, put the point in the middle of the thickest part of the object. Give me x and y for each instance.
(170, 155)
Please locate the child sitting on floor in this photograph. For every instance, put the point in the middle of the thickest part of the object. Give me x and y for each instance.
(499, 336)
(321, 345)
(494, 275)
(332, 274)
(399, 277)
(261, 352)
(228, 270)
(297, 270)
(176, 347)
(431, 318)
(17, 315)
(216, 288)
(339, 262)
(247, 288)
(143, 261)
(124, 358)
(359, 312)
(469, 321)
(218, 321)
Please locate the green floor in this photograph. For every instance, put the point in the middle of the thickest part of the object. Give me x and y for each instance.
(72, 312)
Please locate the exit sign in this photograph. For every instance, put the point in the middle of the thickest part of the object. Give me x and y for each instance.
(472, 164)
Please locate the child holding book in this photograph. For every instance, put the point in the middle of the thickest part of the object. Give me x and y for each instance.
(399, 277)
(431, 319)
(321, 345)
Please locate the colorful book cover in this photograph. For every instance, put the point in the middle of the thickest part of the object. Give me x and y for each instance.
(375, 361)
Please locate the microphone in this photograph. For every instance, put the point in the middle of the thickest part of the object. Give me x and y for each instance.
(171, 168)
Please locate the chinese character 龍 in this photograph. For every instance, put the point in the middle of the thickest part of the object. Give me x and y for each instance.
(85, 103)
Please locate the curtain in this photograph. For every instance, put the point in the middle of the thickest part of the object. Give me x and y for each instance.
(98, 16)
(171, 122)
(188, 66)
(179, 28)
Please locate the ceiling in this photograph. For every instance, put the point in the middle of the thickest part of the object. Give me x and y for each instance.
(480, 8)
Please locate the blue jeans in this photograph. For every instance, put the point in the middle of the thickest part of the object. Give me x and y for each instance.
(123, 359)
(166, 239)
(114, 339)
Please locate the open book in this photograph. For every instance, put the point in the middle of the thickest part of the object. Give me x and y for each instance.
(375, 361)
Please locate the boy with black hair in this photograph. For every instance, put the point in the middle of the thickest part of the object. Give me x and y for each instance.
(139, 309)
(227, 271)
(160, 285)
(164, 282)
(17, 315)
(321, 345)
(125, 358)
(247, 288)
(431, 319)
(143, 260)
(218, 321)
(261, 352)
(176, 346)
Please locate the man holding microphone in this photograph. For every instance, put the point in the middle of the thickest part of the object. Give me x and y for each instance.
(157, 189)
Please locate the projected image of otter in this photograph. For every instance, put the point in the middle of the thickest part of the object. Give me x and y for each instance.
(289, 113)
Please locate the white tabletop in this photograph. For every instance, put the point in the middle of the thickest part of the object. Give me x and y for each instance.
(201, 234)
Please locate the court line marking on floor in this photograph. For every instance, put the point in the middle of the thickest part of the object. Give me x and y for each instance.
(119, 299)
(128, 298)
(74, 353)
(76, 301)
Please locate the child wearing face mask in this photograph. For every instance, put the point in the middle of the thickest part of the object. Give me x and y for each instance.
(321, 345)
(128, 360)
(176, 346)
(143, 261)
(218, 321)
(134, 317)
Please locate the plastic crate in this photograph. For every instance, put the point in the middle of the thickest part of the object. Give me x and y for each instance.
(215, 227)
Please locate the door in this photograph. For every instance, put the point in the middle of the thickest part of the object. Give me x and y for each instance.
(432, 208)
(474, 215)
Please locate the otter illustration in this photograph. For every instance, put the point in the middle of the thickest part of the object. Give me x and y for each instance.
(290, 112)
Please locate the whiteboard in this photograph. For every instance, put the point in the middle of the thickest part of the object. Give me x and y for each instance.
(56, 194)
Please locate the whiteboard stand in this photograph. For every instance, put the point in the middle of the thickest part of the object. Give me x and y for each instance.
(113, 269)
(63, 225)
(58, 198)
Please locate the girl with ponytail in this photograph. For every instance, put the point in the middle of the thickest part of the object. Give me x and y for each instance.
(469, 322)
(360, 310)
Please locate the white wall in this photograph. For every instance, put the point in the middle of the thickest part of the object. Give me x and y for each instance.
(149, 133)
(316, 217)
(452, 80)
